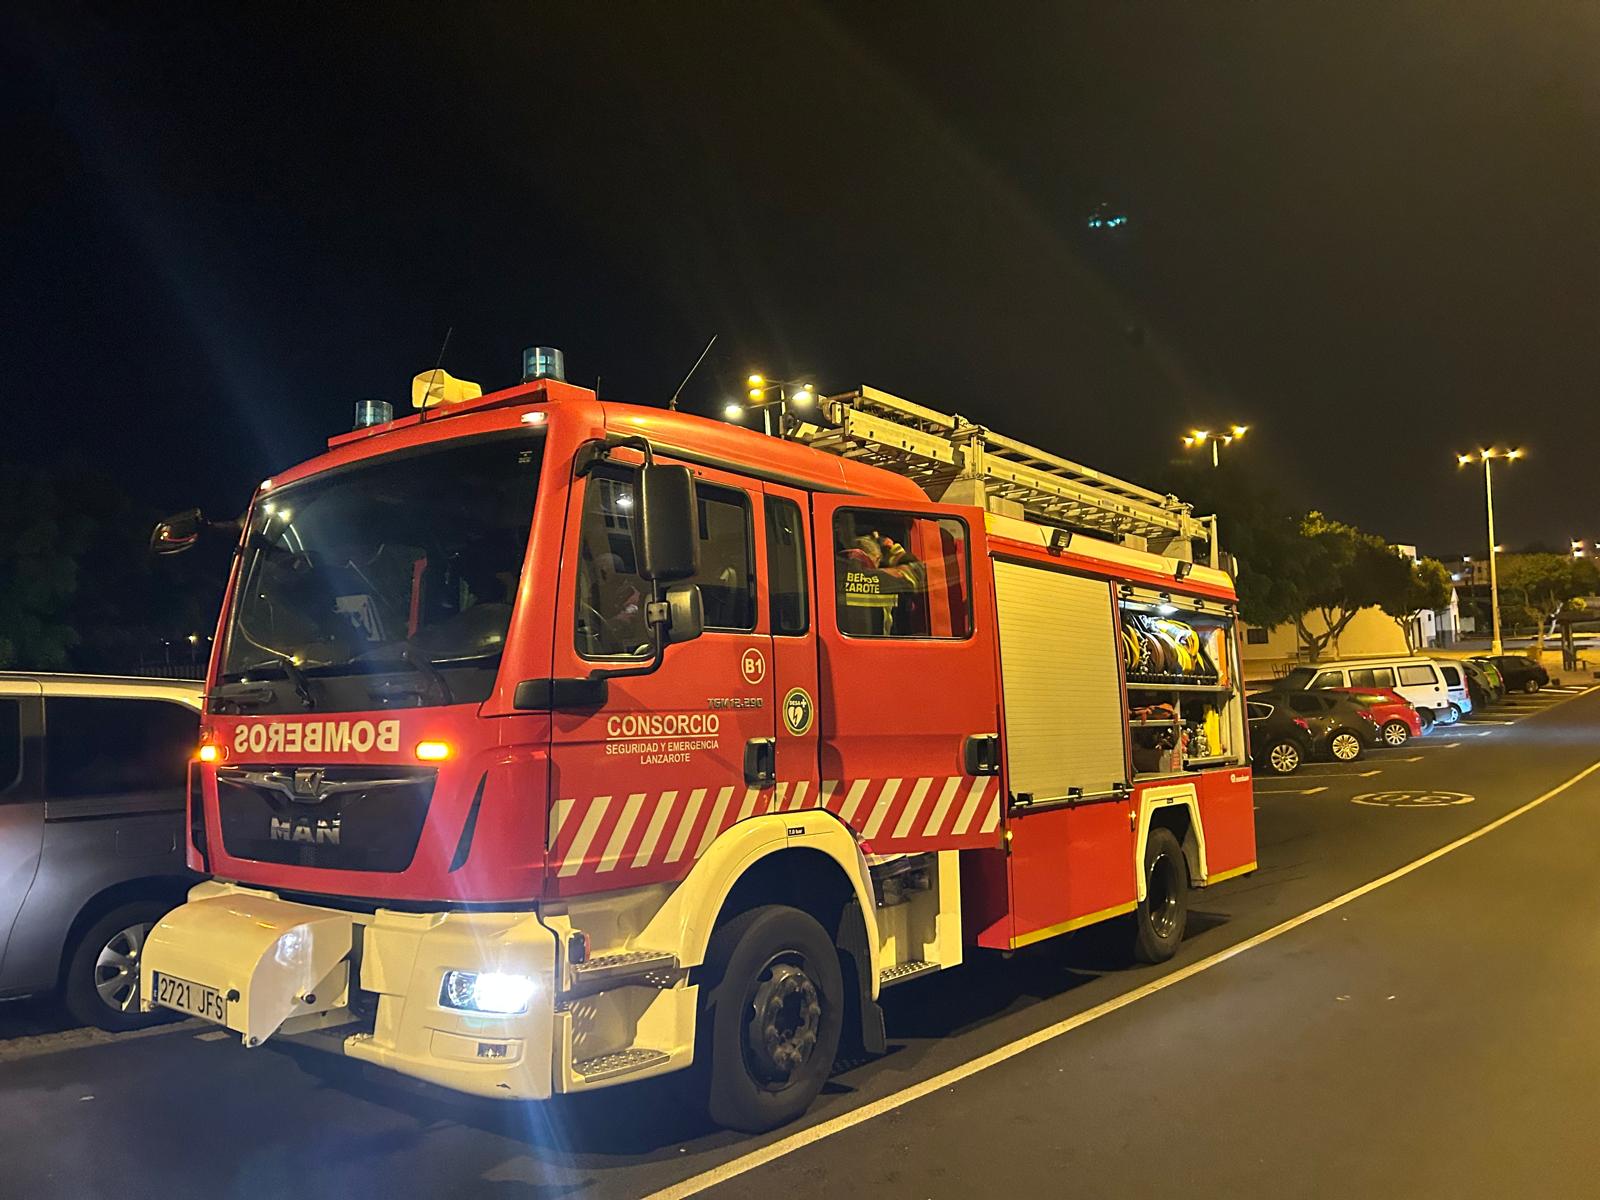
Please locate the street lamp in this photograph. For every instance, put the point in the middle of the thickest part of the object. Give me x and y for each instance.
(766, 395)
(1487, 456)
(1198, 439)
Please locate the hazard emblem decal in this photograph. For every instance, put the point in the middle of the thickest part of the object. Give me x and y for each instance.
(798, 711)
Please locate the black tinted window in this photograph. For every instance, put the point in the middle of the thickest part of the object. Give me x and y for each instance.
(1306, 705)
(10, 742)
(101, 747)
(786, 566)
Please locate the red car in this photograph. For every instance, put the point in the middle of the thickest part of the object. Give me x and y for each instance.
(1397, 721)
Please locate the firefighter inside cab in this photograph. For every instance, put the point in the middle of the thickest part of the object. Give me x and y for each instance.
(881, 584)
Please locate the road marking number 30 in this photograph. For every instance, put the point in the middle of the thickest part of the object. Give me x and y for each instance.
(1412, 799)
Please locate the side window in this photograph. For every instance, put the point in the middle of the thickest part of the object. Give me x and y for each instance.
(1259, 712)
(1305, 705)
(1452, 676)
(1418, 677)
(786, 567)
(1362, 677)
(901, 576)
(10, 743)
(1329, 679)
(1383, 677)
(101, 747)
(611, 597)
(1255, 635)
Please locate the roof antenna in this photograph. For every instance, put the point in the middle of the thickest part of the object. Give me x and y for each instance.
(672, 405)
(433, 378)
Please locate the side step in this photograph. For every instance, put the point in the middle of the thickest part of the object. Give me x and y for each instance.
(651, 967)
(901, 972)
(623, 1062)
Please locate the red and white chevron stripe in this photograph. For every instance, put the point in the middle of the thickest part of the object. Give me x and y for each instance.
(607, 837)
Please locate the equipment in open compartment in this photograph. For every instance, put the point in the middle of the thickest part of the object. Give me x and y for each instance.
(1161, 649)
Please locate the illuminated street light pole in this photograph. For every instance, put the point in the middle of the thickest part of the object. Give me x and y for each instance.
(803, 396)
(1201, 437)
(1495, 644)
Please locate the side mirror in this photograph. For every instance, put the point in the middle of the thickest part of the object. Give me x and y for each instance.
(686, 614)
(177, 533)
(666, 541)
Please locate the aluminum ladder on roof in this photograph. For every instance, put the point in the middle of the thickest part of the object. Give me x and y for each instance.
(940, 451)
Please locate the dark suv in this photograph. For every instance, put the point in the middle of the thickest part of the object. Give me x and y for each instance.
(1521, 674)
(92, 777)
(1287, 727)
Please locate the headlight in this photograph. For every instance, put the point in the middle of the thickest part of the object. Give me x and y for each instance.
(487, 992)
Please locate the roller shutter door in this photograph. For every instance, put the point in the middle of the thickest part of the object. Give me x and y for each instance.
(1063, 695)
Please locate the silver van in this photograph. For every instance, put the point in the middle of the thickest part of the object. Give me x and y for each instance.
(92, 778)
(1416, 679)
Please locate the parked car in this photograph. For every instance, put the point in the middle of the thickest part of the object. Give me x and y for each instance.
(1289, 727)
(1480, 686)
(1397, 719)
(92, 778)
(1455, 682)
(1521, 674)
(1497, 681)
(1417, 679)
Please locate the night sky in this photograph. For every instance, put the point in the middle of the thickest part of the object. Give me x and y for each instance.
(1370, 231)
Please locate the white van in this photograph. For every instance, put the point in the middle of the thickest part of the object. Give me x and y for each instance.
(1417, 679)
(1455, 684)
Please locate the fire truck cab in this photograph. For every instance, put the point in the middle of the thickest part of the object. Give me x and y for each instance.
(553, 743)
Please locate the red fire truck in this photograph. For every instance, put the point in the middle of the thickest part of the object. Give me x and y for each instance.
(553, 743)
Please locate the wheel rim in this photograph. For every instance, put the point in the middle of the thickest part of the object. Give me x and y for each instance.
(116, 969)
(1395, 734)
(1161, 896)
(1345, 746)
(785, 1015)
(1284, 758)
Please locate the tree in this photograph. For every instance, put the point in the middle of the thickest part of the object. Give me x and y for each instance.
(1425, 586)
(1345, 571)
(1545, 582)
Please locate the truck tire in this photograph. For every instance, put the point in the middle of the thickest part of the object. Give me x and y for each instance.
(1159, 920)
(101, 985)
(771, 1019)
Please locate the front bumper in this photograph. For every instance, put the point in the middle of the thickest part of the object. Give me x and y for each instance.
(372, 980)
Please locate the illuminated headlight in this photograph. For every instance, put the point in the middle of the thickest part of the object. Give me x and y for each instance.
(487, 992)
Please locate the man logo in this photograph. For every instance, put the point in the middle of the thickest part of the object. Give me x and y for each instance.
(308, 783)
(798, 711)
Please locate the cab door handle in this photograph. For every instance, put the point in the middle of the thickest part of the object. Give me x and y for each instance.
(980, 754)
(761, 762)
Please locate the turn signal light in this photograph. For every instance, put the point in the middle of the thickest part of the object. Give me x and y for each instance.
(209, 753)
(433, 751)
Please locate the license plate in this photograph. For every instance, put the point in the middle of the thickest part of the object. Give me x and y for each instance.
(193, 998)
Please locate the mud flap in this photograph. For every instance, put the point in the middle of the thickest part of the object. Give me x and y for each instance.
(270, 960)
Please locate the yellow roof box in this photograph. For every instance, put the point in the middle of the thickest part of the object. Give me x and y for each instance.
(433, 388)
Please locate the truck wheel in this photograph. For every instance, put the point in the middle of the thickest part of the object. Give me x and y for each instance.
(1284, 757)
(1344, 746)
(1396, 733)
(101, 986)
(1159, 920)
(770, 1024)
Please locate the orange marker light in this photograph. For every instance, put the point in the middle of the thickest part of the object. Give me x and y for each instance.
(209, 753)
(433, 751)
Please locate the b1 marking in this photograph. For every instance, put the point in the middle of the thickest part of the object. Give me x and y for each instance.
(753, 666)
(1412, 799)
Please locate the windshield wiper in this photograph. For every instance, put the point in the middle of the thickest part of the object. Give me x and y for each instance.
(296, 676)
(426, 667)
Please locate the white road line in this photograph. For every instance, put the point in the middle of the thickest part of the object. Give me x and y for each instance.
(1413, 758)
(1448, 745)
(1315, 790)
(826, 1129)
(1369, 774)
(1485, 733)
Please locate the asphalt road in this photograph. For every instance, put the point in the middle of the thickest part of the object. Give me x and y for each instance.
(1426, 1035)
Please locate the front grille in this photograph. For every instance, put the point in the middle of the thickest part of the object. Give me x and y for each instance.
(335, 818)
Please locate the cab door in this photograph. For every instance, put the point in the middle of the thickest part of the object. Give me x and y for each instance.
(908, 706)
(791, 613)
(641, 784)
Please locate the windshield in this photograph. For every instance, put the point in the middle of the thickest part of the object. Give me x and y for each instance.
(409, 563)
